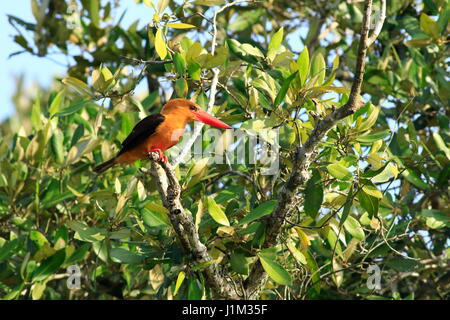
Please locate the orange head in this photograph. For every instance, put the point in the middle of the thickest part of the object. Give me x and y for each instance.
(188, 111)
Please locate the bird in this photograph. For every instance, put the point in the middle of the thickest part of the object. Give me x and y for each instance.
(159, 132)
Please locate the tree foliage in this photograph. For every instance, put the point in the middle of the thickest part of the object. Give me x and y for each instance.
(378, 190)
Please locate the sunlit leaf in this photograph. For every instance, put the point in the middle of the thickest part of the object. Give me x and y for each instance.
(260, 211)
(340, 172)
(275, 271)
(429, 26)
(303, 65)
(160, 44)
(415, 179)
(275, 43)
(354, 228)
(179, 25)
(318, 68)
(216, 212)
(209, 3)
(180, 279)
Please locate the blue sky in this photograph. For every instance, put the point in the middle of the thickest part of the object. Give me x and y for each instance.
(33, 68)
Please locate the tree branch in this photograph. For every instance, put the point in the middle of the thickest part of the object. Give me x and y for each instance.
(306, 154)
(169, 190)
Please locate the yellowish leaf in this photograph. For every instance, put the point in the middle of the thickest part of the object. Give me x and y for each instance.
(179, 25)
(149, 3)
(160, 45)
(305, 242)
(180, 280)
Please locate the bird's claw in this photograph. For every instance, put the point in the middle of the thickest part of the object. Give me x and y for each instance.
(161, 155)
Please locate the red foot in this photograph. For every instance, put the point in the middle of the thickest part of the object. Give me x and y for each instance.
(162, 156)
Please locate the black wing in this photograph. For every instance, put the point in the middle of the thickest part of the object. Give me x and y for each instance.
(141, 131)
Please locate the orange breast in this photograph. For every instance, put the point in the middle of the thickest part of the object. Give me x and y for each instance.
(166, 136)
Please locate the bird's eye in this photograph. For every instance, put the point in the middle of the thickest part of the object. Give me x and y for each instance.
(193, 108)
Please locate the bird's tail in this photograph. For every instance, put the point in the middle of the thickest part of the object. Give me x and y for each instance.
(105, 166)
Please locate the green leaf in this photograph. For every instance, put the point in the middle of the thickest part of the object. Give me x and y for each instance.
(372, 190)
(209, 3)
(85, 233)
(390, 171)
(38, 238)
(318, 68)
(275, 43)
(369, 203)
(56, 103)
(347, 206)
(37, 290)
(245, 20)
(354, 228)
(36, 113)
(284, 89)
(303, 65)
(313, 195)
(332, 239)
(297, 254)
(415, 179)
(236, 49)
(181, 87)
(180, 279)
(260, 211)
(79, 254)
(371, 119)
(72, 109)
(275, 271)
(313, 270)
(93, 9)
(194, 291)
(57, 147)
(441, 144)
(79, 86)
(8, 249)
(126, 125)
(180, 64)
(403, 265)
(239, 263)
(374, 137)
(429, 26)
(444, 18)
(194, 70)
(435, 219)
(155, 218)
(216, 212)
(340, 172)
(125, 256)
(49, 266)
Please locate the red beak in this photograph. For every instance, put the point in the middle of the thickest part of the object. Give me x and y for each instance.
(209, 119)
